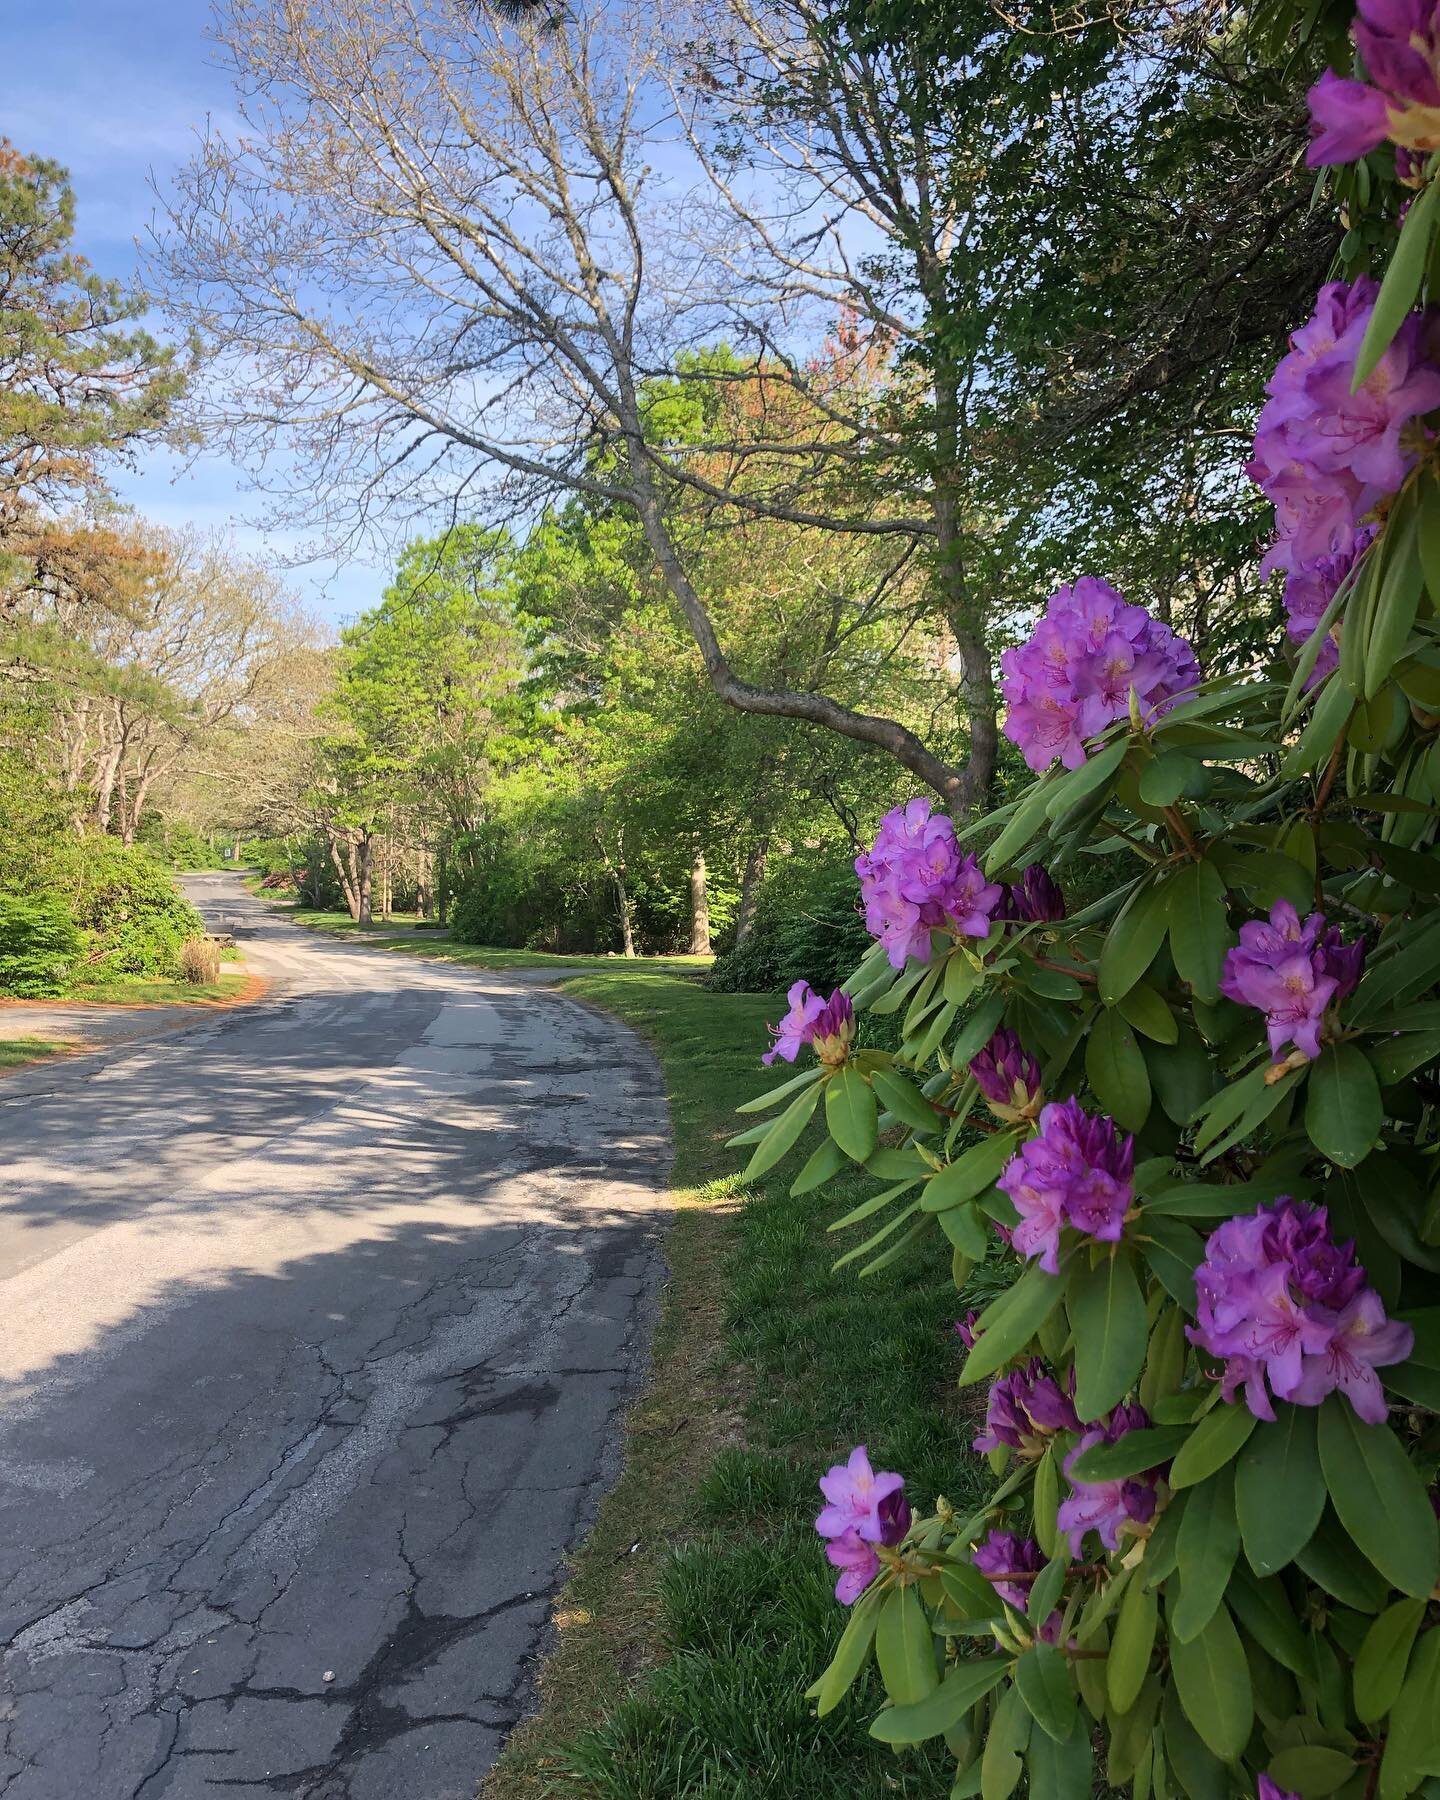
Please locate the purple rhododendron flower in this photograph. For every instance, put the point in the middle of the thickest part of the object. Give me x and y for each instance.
(863, 1508)
(1288, 1312)
(1310, 588)
(1266, 1789)
(1035, 899)
(1400, 42)
(913, 880)
(827, 1024)
(1007, 1075)
(1076, 1171)
(1075, 673)
(1010, 1563)
(967, 1329)
(1291, 972)
(1026, 1408)
(1107, 1506)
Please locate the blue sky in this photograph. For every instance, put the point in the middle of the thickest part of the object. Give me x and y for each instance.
(115, 89)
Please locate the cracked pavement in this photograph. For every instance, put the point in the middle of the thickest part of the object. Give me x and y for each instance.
(319, 1318)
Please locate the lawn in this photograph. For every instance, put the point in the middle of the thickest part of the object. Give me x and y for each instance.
(140, 990)
(15, 1053)
(767, 1368)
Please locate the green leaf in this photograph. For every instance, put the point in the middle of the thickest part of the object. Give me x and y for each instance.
(1131, 943)
(1174, 1252)
(824, 1163)
(1201, 1775)
(905, 1648)
(1412, 1748)
(1322, 731)
(763, 1102)
(850, 1113)
(1116, 1070)
(1419, 1378)
(1212, 1199)
(867, 1208)
(1329, 1559)
(1005, 1742)
(1045, 1502)
(1107, 1315)
(967, 1590)
(1384, 1657)
(1024, 822)
(1208, 1544)
(1148, 1013)
(1183, 1076)
(1043, 1678)
(900, 1096)
(1399, 288)
(851, 1654)
(1213, 1682)
(1171, 774)
(977, 1030)
(1049, 1584)
(961, 977)
(966, 1230)
(1394, 616)
(1311, 1770)
(1128, 1662)
(1267, 1612)
(1343, 1111)
(1060, 1771)
(783, 1135)
(1199, 928)
(970, 1173)
(945, 1707)
(1379, 1497)
(1010, 1321)
(1131, 1454)
(1217, 1438)
(1130, 1735)
(1283, 1458)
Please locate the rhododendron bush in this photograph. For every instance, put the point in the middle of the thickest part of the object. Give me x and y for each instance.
(1195, 1128)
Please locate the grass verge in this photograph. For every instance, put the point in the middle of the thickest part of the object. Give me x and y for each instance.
(18, 1053)
(139, 990)
(682, 1664)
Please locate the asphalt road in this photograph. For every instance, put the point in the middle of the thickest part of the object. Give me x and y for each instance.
(316, 1323)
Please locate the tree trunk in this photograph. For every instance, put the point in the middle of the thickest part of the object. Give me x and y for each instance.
(622, 906)
(750, 884)
(346, 875)
(362, 882)
(699, 908)
(422, 884)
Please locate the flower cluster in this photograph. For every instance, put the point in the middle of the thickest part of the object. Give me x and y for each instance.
(1035, 899)
(1010, 1564)
(1107, 1506)
(1266, 1789)
(1075, 674)
(863, 1508)
(968, 1329)
(1280, 1303)
(1400, 42)
(1326, 457)
(829, 1025)
(1076, 1171)
(1025, 1409)
(914, 879)
(1292, 973)
(1008, 1076)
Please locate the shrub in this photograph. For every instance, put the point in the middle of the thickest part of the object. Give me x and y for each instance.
(40, 944)
(200, 961)
(134, 917)
(807, 927)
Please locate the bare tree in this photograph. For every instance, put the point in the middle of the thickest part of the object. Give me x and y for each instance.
(448, 259)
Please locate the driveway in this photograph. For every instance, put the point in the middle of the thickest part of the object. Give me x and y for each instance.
(317, 1321)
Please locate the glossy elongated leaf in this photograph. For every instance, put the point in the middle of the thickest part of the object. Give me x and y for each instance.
(1183, 1076)
(1131, 1734)
(867, 1208)
(1311, 1770)
(1384, 1658)
(1379, 1497)
(1132, 941)
(1128, 1662)
(1283, 1459)
(905, 1649)
(1059, 1771)
(1343, 1111)
(961, 978)
(1419, 1378)
(966, 1229)
(1116, 1070)
(1216, 1439)
(1174, 1252)
(1267, 1612)
(977, 1030)
(773, 1096)
(851, 1113)
(1329, 718)
(1107, 1316)
(1211, 1199)
(1329, 1559)
(970, 1174)
(1412, 1746)
(1213, 1681)
(1145, 1011)
(1005, 1743)
(1208, 1544)
(783, 1135)
(1199, 1771)
(900, 1096)
(944, 1707)
(968, 1592)
(823, 1164)
(1043, 1678)
(1393, 617)
(1199, 928)
(1131, 1454)
(1399, 287)
(1010, 1321)
(851, 1654)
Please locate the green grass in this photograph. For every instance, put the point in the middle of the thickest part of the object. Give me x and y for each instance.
(15, 1053)
(140, 990)
(398, 934)
(770, 1367)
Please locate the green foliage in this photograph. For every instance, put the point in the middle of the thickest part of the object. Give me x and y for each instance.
(807, 927)
(40, 944)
